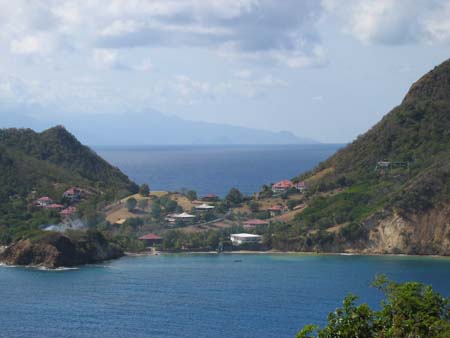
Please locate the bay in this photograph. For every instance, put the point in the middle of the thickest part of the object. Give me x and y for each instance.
(198, 296)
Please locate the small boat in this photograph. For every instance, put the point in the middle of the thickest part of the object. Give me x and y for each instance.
(237, 260)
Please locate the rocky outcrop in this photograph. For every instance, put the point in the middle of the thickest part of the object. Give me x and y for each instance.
(57, 250)
(424, 234)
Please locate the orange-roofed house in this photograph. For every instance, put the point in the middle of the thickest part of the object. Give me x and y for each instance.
(282, 186)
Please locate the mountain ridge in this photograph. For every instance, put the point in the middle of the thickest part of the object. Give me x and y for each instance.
(155, 128)
(47, 163)
(389, 190)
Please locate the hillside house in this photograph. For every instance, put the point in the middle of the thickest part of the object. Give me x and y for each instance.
(210, 198)
(44, 201)
(183, 218)
(276, 210)
(253, 223)
(204, 207)
(151, 239)
(282, 186)
(73, 194)
(301, 186)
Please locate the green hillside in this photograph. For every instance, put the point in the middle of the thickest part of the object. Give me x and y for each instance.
(354, 189)
(37, 164)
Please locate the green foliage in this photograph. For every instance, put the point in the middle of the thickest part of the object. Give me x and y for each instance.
(175, 240)
(254, 206)
(143, 204)
(144, 190)
(325, 212)
(49, 163)
(415, 134)
(168, 204)
(191, 195)
(156, 209)
(409, 310)
(353, 231)
(131, 204)
(234, 197)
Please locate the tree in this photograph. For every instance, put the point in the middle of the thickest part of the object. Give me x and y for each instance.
(131, 204)
(191, 195)
(254, 206)
(409, 309)
(156, 209)
(143, 204)
(234, 196)
(144, 190)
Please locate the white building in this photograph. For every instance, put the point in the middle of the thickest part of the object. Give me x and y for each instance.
(183, 217)
(238, 239)
(204, 207)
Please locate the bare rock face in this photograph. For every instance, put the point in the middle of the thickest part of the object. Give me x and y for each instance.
(425, 234)
(57, 250)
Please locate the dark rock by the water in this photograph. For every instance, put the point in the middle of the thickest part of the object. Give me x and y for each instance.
(57, 250)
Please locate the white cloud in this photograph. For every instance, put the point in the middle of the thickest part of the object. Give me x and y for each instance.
(105, 58)
(393, 22)
(41, 44)
(144, 66)
(120, 27)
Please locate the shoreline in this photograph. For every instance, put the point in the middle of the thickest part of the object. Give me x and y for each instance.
(277, 252)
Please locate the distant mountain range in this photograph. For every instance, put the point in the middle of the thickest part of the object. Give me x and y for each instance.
(151, 128)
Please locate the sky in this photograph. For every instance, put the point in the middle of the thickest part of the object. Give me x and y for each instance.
(326, 70)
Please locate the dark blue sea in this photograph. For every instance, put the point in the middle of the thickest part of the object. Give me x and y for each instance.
(197, 296)
(215, 169)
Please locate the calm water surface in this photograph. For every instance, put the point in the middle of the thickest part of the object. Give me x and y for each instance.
(215, 169)
(197, 296)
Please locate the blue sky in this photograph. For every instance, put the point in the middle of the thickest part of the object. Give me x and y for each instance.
(326, 70)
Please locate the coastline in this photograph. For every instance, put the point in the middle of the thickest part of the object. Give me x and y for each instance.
(277, 252)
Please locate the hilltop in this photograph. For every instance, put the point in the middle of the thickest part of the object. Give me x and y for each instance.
(389, 190)
(47, 163)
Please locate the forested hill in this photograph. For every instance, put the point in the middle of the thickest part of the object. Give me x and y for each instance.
(389, 190)
(48, 163)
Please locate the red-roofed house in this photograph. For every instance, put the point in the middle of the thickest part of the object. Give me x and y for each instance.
(73, 194)
(68, 212)
(252, 223)
(151, 239)
(282, 186)
(210, 197)
(44, 201)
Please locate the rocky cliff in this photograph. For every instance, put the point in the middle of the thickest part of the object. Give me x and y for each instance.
(55, 250)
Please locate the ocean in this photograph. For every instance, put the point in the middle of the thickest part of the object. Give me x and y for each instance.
(197, 296)
(215, 169)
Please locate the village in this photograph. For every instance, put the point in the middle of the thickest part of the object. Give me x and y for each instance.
(280, 203)
(156, 212)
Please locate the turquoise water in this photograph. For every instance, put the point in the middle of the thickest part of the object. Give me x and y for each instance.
(197, 296)
(215, 169)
